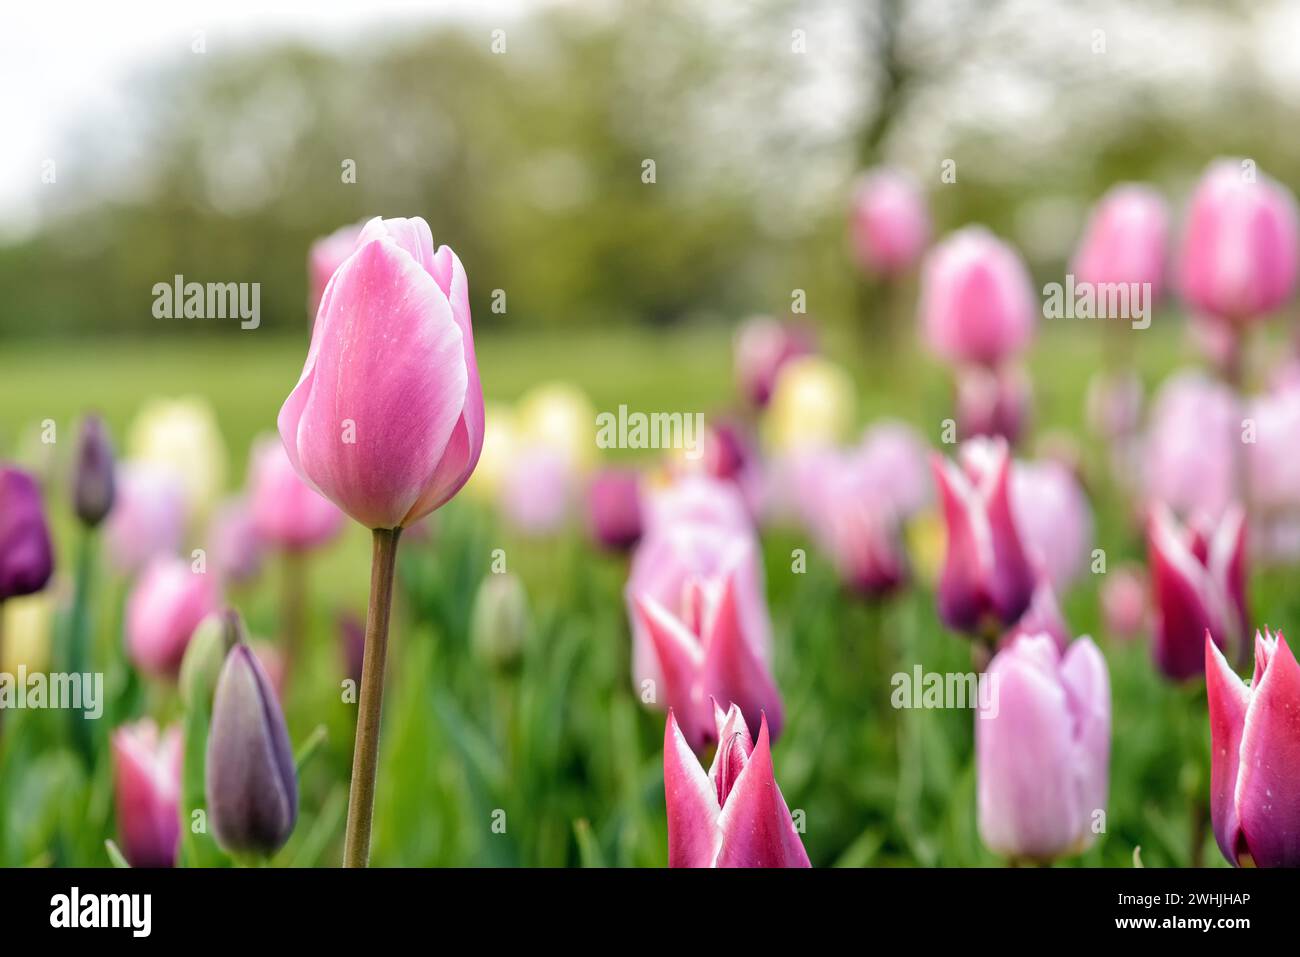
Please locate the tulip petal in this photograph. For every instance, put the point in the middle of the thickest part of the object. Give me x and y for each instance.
(1267, 795)
(692, 803)
(969, 549)
(757, 830)
(1186, 597)
(681, 660)
(733, 673)
(1229, 699)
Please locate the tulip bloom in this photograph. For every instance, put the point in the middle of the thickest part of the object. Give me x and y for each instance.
(1238, 258)
(148, 517)
(977, 304)
(499, 621)
(182, 437)
(1125, 240)
(762, 347)
(251, 781)
(987, 580)
(1198, 583)
(614, 508)
(813, 406)
(891, 224)
(26, 555)
(234, 546)
(735, 815)
(1054, 518)
(1124, 603)
(1254, 747)
(1193, 445)
(162, 611)
(287, 513)
(1042, 756)
(704, 655)
(859, 529)
(147, 790)
(993, 402)
(92, 482)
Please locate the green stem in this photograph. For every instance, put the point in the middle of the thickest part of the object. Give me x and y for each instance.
(365, 753)
(79, 640)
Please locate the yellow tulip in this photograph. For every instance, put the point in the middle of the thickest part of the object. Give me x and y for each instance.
(182, 435)
(813, 403)
(26, 628)
(559, 415)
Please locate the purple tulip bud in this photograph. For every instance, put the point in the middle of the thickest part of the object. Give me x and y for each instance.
(614, 508)
(94, 486)
(252, 785)
(26, 556)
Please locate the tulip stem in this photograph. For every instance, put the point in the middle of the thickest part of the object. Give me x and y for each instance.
(365, 753)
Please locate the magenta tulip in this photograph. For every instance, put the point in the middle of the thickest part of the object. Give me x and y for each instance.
(614, 508)
(763, 346)
(734, 816)
(704, 655)
(387, 419)
(287, 512)
(324, 259)
(1238, 258)
(1054, 518)
(26, 555)
(977, 304)
(1255, 755)
(164, 607)
(987, 581)
(1126, 240)
(1042, 754)
(148, 516)
(1198, 584)
(147, 790)
(891, 224)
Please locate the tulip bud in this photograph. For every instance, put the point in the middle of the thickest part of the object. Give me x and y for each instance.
(234, 546)
(987, 580)
(1192, 445)
(1124, 603)
(1238, 259)
(386, 420)
(26, 555)
(762, 347)
(165, 606)
(287, 513)
(201, 667)
(977, 304)
(890, 222)
(499, 622)
(93, 475)
(1042, 750)
(614, 508)
(859, 528)
(735, 815)
(147, 790)
(252, 784)
(1125, 240)
(1254, 794)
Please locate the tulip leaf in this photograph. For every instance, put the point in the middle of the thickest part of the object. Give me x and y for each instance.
(115, 854)
(315, 741)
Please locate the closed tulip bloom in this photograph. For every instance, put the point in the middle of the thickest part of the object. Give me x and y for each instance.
(147, 791)
(704, 654)
(893, 462)
(182, 436)
(1238, 258)
(148, 517)
(92, 489)
(164, 607)
(1042, 756)
(860, 531)
(234, 546)
(762, 347)
(1055, 519)
(891, 224)
(987, 580)
(733, 816)
(499, 621)
(323, 260)
(27, 626)
(287, 513)
(559, 416)
(251, 781)
(614, 508)
(1126, 239)
(813, 405)
(1192, 444)
(1198, 584)
(977, 304)
(537, 495)
(1255, 750)
(1124, 603)
(386, 420)
(26, 555)
(993, 402)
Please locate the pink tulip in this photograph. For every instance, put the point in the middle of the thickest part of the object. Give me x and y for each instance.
(387, 419)
(987, 581)
(1042, 756)
(324, 259)
(1198, 584)
(1124, 603)
(704, 655)
(164, 607)
(287, 512)
(735, 815)
(762, 347)
(993, 402)
(1192, 445)
(1054, 518)
(147, 789)
(148, 516)
(1238, 258)
(893, 463)
(1255, 755)
(977, 304)
(1126, 239)
(235, 548)
(891, 224)
(698, 499)
(730, 454)
(614, 508)
(537, 493)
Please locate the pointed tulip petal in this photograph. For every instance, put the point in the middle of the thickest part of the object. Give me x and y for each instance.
(692, 803)
(757, 830)
(1267, 794)
(1229, 700)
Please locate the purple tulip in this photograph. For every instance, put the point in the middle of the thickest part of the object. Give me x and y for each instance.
(164, 607)
(287, 513)
(26, 555)
(1042, 753)
(251, 781)
(1126, 239)
(1255, 755)
(92, 492)
(891, 224)
(147, 790)
(735, 815)
(614, 508)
